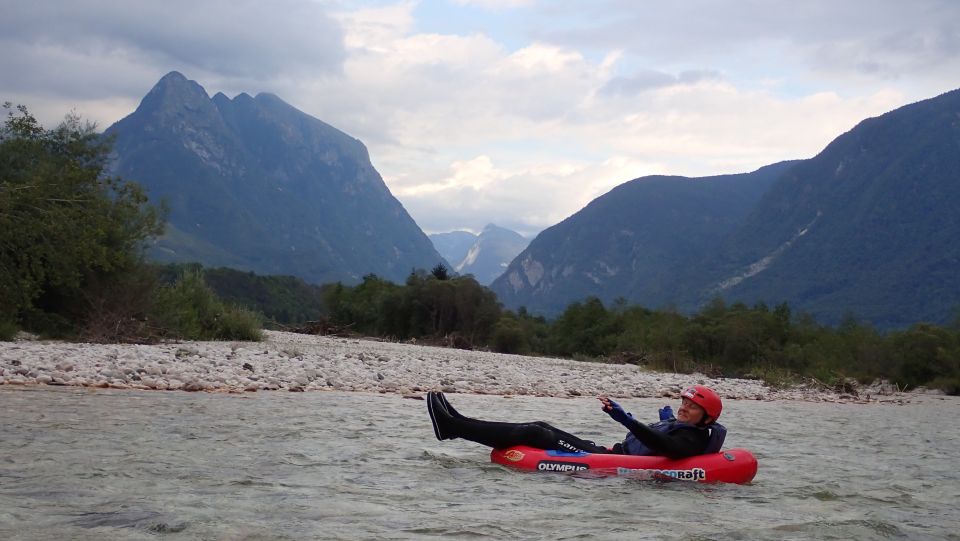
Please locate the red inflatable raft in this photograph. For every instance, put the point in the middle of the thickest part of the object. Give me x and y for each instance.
(729, 466)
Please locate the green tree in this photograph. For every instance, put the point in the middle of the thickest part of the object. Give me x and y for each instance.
(585, 328)
(508, 336)
(925, 353)
(440, 272)
(64, 223)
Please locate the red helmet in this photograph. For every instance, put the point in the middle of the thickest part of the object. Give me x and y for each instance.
(706, 399)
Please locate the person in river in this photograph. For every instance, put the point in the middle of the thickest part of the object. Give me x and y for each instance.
(694, 430)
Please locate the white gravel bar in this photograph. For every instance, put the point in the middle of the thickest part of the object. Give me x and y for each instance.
(298, 362)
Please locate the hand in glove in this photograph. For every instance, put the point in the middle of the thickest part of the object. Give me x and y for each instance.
(666, 412)
(615, 411)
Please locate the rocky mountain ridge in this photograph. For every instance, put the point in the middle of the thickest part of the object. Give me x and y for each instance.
(255, 184)
(867, 228)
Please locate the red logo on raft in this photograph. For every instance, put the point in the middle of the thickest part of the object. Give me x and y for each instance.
(513, 455)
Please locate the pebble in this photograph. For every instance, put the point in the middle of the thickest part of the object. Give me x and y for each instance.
(301, 363)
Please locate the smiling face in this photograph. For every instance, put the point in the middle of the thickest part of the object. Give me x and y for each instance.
(690, 412)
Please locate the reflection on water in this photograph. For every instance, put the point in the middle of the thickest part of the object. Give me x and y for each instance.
(107, 464)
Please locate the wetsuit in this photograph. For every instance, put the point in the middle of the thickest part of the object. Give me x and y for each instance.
(680, 441)
(667, 438)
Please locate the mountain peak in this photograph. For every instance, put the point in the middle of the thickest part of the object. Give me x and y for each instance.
(174, 77)
(491, 253)
(264, 187)
(270, 97)
(174, 90)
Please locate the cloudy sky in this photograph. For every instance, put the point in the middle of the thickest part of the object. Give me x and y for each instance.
(516, 112)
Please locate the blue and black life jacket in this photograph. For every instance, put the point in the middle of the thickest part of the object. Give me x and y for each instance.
(633, 446)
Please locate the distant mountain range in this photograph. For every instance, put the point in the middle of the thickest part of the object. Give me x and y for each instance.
(632, 241)
(454, 245)
(254, 184)
(485, 256)
(869, 227)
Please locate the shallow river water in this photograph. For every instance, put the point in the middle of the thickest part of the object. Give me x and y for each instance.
(105, 464)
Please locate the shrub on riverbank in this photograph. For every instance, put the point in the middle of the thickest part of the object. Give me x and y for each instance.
(282, 300)
(189, 309)
(740, 341)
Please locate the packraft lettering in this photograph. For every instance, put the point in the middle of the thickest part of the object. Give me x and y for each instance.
(696, 474)
(547, 465)
(639, 475)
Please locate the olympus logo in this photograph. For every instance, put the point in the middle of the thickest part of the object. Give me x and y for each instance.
(550, 465)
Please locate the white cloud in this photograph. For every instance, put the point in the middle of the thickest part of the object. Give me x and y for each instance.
(486, 124)
(469, 132)
(496, 4)
(375, 28)
(81, 54)
(476, 174)
(525, 199)
(713, 127)
(848, 42)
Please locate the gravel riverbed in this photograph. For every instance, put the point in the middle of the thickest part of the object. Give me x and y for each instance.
(297, 362)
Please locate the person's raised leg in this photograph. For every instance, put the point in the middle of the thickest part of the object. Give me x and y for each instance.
(449, 408)
(438, 417)
(501, 435)
(568, 442)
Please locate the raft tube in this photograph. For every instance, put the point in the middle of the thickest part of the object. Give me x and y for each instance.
(729, 466)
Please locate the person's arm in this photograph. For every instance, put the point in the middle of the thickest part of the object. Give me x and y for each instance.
(678, 444)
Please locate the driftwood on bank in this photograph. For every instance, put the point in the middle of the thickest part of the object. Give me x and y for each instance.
(321, 327)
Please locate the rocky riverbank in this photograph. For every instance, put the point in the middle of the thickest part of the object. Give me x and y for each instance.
(297, 362)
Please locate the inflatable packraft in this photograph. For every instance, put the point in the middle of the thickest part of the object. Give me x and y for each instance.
(728, 466)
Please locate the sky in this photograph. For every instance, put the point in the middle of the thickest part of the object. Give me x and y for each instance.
(513, 112)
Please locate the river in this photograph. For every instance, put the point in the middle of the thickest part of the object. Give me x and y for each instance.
(79, 463)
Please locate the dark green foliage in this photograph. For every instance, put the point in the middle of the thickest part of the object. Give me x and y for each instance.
(508, 336)
(424, 307)
(374, 307)
(283, 300)
(925, 353)
(189, 309)
(71, 240)
(586, 329)
(520, 333)
(738, 340)
(7, 330)
(67, 230)
(440, 272)
(119, 307)
(720, 340)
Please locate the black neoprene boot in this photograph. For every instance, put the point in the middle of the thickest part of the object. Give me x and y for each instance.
(441, 419)
(448, 407)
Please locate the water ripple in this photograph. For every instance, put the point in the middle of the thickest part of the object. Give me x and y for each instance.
(96, 464)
